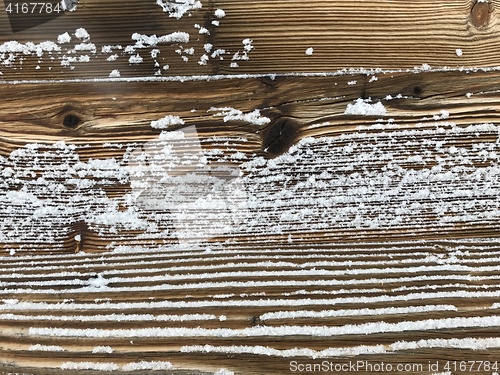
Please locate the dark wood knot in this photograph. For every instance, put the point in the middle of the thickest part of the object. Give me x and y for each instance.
(480, 14)
(280, 136)
(72, 120)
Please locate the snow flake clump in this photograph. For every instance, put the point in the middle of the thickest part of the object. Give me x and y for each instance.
(46, 348)
(443, 115)
(148, 365)
(89, 366)
(102, 349)
(247, 48)
(114, 74)
(166, 121)
(219, 13)
(231, 114)
(64, 38)
(178, 8)
(143, 40)
(365, 108)
(98, 282)
(81, 33)
(223, 371)
(135, 59)
(309, 51)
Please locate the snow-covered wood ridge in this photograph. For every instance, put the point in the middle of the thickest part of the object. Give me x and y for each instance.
(251, 187)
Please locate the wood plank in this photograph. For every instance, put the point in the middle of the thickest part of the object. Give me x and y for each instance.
(351, 201)
(385, 258)
(350, 34)
(98, 147)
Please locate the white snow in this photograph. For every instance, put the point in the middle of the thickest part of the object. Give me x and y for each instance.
(115, 73)
(208, 47)
(286, 353)
(148, 365)
(443, 115)
(98, 282)
(309, 51)
(232, 114)
(179, 8)
(81, 33)
(276, 331)
(223, 371)
(64, 38)
(143, 40)
(203, 59)
(29, 47)
(219, 13)
(135, 59)
(458, 52)
(364, 107)
(167, 121)
(365, 311)
(99, 366)
(102, 350)
(46, 348)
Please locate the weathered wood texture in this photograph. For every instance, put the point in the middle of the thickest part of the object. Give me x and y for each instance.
(359, 237)
(368, 34)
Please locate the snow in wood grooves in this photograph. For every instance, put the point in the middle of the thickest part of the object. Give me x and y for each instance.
(327, 187)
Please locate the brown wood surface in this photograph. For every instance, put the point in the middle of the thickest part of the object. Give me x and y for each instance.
(367, 239)
(358, 34)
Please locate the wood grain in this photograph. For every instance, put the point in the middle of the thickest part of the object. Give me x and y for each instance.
(359, 239)
(361, 34)
(357, 269)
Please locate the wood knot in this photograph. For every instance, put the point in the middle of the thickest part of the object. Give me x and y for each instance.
(418, 90)
(71, 121)
(280, 135)
(480, 14)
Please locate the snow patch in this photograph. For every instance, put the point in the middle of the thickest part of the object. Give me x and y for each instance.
(167, 121)
(223, 371)
(99, 366)
(364, 107)
(46, 348)
(219, 13)
(143, 40)
(148, 365)
(102, 350)
(178, 8)
(232, 114)
(98, 282)
(81, 33)
(309, 51)
(64, 38)
(135, 59)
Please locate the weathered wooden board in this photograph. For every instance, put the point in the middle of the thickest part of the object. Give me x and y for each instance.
(350, 219)
(366, 258)
(358, 34)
